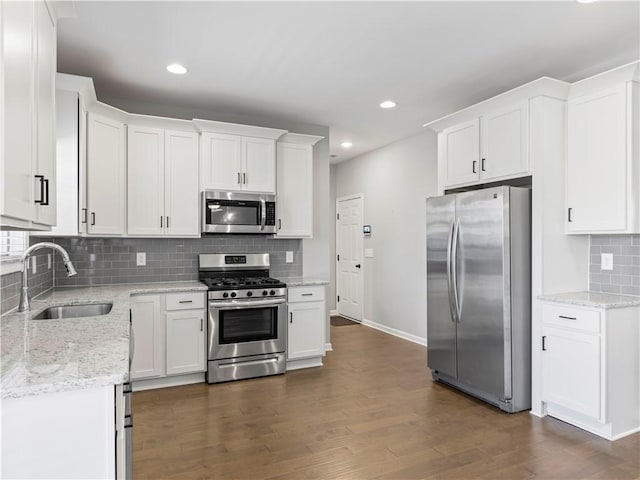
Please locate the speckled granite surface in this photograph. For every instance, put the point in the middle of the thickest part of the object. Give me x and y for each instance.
(41, 356)
(592, 299)
(302, 281)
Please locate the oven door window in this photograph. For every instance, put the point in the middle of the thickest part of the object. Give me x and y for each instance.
(224, 212)
(248, 325)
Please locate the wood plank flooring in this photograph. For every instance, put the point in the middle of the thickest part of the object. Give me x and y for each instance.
(372, 412)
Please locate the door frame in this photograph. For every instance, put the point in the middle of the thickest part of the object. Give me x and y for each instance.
(353, 196)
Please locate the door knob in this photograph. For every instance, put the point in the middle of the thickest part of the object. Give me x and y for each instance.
(357, 265)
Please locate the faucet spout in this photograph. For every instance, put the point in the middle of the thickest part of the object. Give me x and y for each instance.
(24, 290)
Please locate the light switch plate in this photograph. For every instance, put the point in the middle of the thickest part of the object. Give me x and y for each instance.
(289, 257)
(368, 252)
(606, 261)
(141, 259)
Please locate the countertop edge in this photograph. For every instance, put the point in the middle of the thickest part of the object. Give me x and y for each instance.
(601, 300)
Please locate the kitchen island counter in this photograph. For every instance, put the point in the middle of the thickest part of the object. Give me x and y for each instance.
(44, 356)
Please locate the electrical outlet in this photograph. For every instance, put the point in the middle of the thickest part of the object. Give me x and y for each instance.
(606, 261)
(289, 257)
(141, 259)
(33, 265)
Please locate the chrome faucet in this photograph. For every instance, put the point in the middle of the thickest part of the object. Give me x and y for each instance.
(24, 290)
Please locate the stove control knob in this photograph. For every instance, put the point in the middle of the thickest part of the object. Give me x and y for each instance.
(249, 294)
(233, 294)
(264, 292)
(225, 295)
(272, 292)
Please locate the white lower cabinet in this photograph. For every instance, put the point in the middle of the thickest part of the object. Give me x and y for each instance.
(306, 327)
(591, 368)
(169, 335)
(67, 434)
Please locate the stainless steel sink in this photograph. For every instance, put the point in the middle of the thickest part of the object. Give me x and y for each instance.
(74, 311)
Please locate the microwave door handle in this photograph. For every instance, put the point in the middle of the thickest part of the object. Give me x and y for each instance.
(263, 213)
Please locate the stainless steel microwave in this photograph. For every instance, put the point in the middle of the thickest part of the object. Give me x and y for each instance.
(236, 212)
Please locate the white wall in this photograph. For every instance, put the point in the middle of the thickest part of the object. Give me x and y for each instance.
(395, 181)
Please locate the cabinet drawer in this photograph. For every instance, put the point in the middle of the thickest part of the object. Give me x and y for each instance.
(306, 294)
(571, 317)
(185, 300)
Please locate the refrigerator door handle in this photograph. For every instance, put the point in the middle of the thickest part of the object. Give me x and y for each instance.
(454, 268)
(449, 276)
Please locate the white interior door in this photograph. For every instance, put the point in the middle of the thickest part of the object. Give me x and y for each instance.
(349, 251)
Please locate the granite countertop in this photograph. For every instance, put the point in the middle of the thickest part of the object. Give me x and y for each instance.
(42, 356)
(302, 281)
(592, 299)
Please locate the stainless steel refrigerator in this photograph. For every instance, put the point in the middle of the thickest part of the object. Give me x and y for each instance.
(479, 294)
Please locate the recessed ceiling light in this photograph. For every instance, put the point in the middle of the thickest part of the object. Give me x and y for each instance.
(346, 144)
(177, 68)
(388, 104)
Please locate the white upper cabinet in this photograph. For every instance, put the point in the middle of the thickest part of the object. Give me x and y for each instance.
(237, 157)
(162, 182)
(294, 208)
(461, 145)
(27, 129)
(145, 181)
(603, 154)
(493, 146)
(181, 195)
(237, 163)
(106, 175)
(504, 142)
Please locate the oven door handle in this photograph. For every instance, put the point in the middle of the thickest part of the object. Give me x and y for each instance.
(246, 303)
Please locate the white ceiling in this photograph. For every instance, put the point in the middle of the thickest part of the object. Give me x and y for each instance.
(332, 63)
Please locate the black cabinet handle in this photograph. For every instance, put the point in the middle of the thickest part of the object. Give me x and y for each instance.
(239, 181)
(84, 215)
(279, 224)
(544, 346)
(201, 324)
(167, 221)
(474, 166)
(160, 221)
(185, 301)
(244, 178)
(566, 318)
(357, 265)
(93, 218)
(46, 190)
(290, 317)
(483, 166)
(569, 214)
(41, 201)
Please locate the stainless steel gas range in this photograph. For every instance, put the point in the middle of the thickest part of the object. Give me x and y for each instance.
(247, 317)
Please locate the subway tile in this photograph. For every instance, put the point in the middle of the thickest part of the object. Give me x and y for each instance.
(630, 250)
(600, 240)
(620, 240)
(630, 290)
(621, 280)
(611, 288)
(615, 249)
(601, 278)
(595, 287)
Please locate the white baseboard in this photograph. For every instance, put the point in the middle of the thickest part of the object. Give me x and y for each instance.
(333, 313)
(164, 382)
(328, 347)
(395, 332)
(304, 363)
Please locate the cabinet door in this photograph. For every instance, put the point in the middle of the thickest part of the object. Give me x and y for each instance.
(504, 142)
(18, 184)
(571, 370)
(295, 190)
(306, 330)
(597, 163)
(149, 334)
(462, 153)
(221, 161)
(45, 112)
(106, 149)
(259, 160)
(185, 341)
(145, 181)
(181, 194)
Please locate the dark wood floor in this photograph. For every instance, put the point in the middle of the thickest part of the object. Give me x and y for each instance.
(371, 412)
